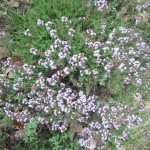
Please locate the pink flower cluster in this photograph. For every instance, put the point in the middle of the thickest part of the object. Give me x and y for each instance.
(111, 118)
(100, 4)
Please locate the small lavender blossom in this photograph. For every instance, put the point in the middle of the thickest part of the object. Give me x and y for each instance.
(47, 53)
(122, 67)
(53, 33)
(27, 32)
(62, 128)
(71, 32)
(64, 19)
(81, 18)
(16, 87)
(87, 72)
(40, 22)
(48, 25)
(66, 70)
(34, 51)
(95, 71)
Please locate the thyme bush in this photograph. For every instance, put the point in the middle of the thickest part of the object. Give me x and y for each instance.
(68, 57)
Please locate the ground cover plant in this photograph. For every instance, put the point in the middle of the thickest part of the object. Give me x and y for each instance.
(78, 74)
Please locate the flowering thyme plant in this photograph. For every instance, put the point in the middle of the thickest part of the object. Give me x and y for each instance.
(62, 83)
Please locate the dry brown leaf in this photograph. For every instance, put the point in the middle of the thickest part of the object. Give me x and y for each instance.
(123, 8)
(8, 74)
(16, 58)
(147, 105)
(126, 18)
(75, 128)
(28, 1)
(20, 134)
(139, 18)
(18, 125)
(15, 3)
(90, 144)
(4, 52)
(145, 16)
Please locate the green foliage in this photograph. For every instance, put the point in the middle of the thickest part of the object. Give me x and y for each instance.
(63, 142)
(30, 130)
(49, 140)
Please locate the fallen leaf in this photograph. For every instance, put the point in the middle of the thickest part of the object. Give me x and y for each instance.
(15, 3)
(139, 18)
(75, 128)
(28, 1)
(147, 105)
(18, 125)
(8, 73)
(90, 144)
(4, 53)
(16, 58)
(123, 8)
(126, 18)
(20, 134)
(145, 16)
